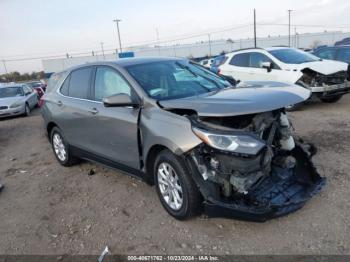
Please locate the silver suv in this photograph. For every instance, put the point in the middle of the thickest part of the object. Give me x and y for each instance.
(206, 145)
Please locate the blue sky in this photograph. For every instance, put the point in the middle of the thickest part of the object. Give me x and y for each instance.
(30, 28)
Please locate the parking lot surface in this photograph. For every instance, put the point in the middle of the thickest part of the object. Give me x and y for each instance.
(49, 209)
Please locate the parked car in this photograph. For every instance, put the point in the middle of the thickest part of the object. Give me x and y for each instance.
(206, 62)
(202, 142)
(327, 80)
(37, 84)
(37, 87)
(339, 53)
(17, 99)
(345, 41)
(217, 61)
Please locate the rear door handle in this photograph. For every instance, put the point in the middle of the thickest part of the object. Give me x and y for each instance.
(59, 103)
(93, 111)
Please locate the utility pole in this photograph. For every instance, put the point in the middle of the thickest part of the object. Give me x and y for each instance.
(289, 11)
(254, 28)
(120, 41)
(4, 62)
(103, 51)
(209, 42)
(157, 34)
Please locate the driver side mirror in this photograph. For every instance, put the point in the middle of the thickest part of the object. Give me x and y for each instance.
(267, 65)
(119, 100)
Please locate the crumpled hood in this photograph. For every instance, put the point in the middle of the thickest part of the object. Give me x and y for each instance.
(255, 97)
(10, 100)
(324, 67)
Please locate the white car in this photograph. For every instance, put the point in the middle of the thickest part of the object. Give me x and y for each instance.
(326, 79)
(206, 62)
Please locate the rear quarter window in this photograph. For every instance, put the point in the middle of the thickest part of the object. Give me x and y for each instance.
(54, 81)
(79, 83)
(241, 60)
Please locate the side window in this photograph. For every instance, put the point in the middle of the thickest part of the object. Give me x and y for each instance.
(79, 84)
(240, 60)
(327, 54)
(256, 60)
(344, 55)
(65, 87)
(27, 89)
(109, 82)
(53, 81)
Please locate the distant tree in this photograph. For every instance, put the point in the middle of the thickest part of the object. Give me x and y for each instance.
(16, 76)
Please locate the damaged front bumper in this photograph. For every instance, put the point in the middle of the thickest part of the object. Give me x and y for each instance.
(270, 184)
(281, 193)
(330, 91)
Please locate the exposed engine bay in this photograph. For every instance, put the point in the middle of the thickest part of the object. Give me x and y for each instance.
(274, 178)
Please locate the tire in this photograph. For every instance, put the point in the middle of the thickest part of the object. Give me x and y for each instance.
(191, 197)
(26, 110)
(332, 99)
(65, 159)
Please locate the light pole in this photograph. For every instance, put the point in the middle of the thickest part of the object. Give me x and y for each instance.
(209, 41)
(103, 51)
(120, 41)
(157, 33)
(254, 29)
(4, 62)
(289, 11)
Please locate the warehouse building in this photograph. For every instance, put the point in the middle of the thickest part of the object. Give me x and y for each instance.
(202, 49)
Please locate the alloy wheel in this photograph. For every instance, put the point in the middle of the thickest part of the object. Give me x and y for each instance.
(59, 147)
(169, 186)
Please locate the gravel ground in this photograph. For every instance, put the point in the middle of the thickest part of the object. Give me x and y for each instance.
(49, 209)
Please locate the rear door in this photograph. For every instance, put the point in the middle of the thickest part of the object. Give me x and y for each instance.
(113, 130)
(237, 67)
(73, 107)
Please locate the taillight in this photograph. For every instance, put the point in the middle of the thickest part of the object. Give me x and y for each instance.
(219, 71)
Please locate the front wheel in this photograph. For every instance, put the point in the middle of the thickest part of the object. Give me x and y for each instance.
(175, 187)
(332, 99)
(26, 110)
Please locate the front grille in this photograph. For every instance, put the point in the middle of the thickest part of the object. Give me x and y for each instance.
(3, 107)
(335, 79)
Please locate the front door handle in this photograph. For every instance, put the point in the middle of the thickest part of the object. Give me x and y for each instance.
(93, 111)
(59, 103)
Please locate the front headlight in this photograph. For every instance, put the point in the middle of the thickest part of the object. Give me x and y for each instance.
(243, 144)
(15, 105)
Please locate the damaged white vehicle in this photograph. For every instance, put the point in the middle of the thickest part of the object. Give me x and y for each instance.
(205, 144)
(327, 80)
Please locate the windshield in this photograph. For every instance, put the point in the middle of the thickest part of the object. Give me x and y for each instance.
(10, 92)
(293, 56)
(175, 79)
(34, 84)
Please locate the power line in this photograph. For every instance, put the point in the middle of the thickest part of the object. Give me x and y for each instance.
(162, 40)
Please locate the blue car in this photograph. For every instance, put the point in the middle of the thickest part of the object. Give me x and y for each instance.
(218, 61)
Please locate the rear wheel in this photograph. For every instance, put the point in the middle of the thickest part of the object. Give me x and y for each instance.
(175, 188)
(61, 148)
(332, 99)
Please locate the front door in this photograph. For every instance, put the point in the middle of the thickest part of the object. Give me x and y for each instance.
(113, 130)
(257, 72)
